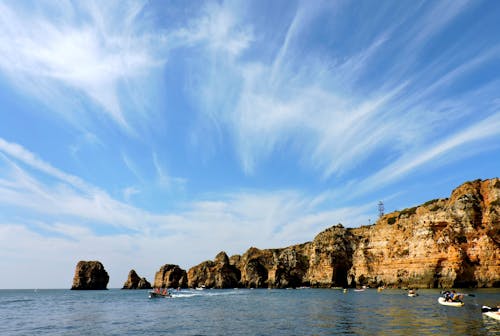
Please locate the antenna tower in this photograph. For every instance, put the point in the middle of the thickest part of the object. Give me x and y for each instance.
(380, 208)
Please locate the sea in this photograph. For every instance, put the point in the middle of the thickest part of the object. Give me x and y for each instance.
(243, 312)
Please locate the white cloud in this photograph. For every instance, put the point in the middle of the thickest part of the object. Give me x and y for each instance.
(451, 149)
(93, 56)
(129, 192)
(218, 29)
(317, 106)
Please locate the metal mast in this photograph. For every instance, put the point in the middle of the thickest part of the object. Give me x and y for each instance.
(380, 208)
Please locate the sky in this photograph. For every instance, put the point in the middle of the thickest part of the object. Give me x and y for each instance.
(163, 132)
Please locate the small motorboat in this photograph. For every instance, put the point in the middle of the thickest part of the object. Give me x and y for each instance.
(443, 301)
(157, 293)
(491, 312)
(200, 288)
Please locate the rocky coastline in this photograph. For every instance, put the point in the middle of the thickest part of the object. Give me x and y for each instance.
(443, 243)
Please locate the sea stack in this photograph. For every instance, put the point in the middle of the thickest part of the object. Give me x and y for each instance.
(170, 276)
(90, 275)
(136, 282)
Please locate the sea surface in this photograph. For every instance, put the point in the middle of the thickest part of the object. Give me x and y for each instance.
(243, 312)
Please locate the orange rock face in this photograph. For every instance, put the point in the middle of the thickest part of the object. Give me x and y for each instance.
(451, 242)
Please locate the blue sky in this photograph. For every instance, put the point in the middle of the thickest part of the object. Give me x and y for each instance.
(144, 133)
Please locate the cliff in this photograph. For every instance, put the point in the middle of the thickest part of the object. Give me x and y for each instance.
(90, 275)
(453, 242)
(136, 282)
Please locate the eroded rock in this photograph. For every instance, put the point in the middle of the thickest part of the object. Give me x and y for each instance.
(90, 275)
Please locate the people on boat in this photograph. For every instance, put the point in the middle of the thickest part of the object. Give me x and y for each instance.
(456, 297)
(447, 296)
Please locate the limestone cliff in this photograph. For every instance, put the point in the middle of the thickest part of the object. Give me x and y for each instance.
(453, 242)
(136, 282)
(90, 275)
(170, 276)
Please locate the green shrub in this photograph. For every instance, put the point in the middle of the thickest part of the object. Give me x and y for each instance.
(431, 202)
(408, 212)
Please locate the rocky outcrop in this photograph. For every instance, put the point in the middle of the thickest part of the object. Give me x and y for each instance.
(136, 282)
(170, 276)
(214, 274)
(90, 275)
(453, 242)
(331, 257)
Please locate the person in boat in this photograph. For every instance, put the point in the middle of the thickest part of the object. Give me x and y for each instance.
(455, 297)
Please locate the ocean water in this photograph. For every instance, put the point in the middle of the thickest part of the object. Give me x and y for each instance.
(242, 312)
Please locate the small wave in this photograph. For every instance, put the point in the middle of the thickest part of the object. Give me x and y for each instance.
(223, 293)
(15, 301)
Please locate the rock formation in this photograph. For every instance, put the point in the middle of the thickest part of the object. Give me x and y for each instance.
(214, 274)
(136, 282)
(451, 242)
(90, 275)
(170, 276)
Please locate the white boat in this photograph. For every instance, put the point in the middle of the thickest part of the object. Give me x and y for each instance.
(443, 301)
(491, 312)
(202, 287)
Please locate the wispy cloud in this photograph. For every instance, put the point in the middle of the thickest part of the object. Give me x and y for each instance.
(484, 130)
(217, 29)
(165, 180)
(317, 106)
(93, 55)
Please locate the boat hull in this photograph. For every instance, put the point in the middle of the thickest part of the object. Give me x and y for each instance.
(492, 314)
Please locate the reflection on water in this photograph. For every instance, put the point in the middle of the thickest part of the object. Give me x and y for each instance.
(243, 312)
